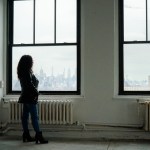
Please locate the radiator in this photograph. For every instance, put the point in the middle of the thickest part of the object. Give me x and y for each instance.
(147, 116)
(146, 103)
(49, 111)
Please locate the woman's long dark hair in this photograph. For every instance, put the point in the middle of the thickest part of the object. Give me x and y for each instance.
(25, 65)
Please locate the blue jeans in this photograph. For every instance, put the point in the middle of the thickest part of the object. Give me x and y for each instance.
(32, 110)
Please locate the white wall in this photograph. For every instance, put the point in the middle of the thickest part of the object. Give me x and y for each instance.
(1, 53)
(99, 67)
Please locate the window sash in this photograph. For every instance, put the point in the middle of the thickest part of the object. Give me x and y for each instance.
(122, 42)
(11, 44)
(56, 19)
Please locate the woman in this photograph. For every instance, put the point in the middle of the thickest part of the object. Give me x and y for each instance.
(29, 99)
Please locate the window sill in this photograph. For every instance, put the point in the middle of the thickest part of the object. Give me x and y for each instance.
(131, 97)
(50, 97)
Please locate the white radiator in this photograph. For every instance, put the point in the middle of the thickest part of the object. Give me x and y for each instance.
(147, 116)
(146, 104)
(50, 112)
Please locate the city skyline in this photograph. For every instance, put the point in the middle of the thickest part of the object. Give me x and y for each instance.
(66, 81)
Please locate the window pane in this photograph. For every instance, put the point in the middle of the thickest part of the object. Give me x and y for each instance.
(56, 69)
(23, 22)
(136, 67)
(134, 20)
(66, 21)
(44, 21)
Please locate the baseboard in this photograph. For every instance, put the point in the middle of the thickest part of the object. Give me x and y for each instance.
(79, 132)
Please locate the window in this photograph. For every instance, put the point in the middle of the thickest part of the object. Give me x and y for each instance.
(49, 31)
(134, 47)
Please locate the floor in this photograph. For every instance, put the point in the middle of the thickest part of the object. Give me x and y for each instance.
(10, 143)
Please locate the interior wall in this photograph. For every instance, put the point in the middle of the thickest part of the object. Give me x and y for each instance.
(1, 53)
(99, 106)
(99, 77)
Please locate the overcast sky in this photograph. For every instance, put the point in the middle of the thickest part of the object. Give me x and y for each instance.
(136, 57)
(47, 57)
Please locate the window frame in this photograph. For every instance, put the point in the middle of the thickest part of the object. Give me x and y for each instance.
(10, 45)
(121, 50)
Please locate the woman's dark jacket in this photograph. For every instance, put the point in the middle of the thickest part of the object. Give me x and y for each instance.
(29, 92)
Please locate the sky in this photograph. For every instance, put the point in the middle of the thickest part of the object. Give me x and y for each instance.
(46, 57)
(136, 57)
(44, 21)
